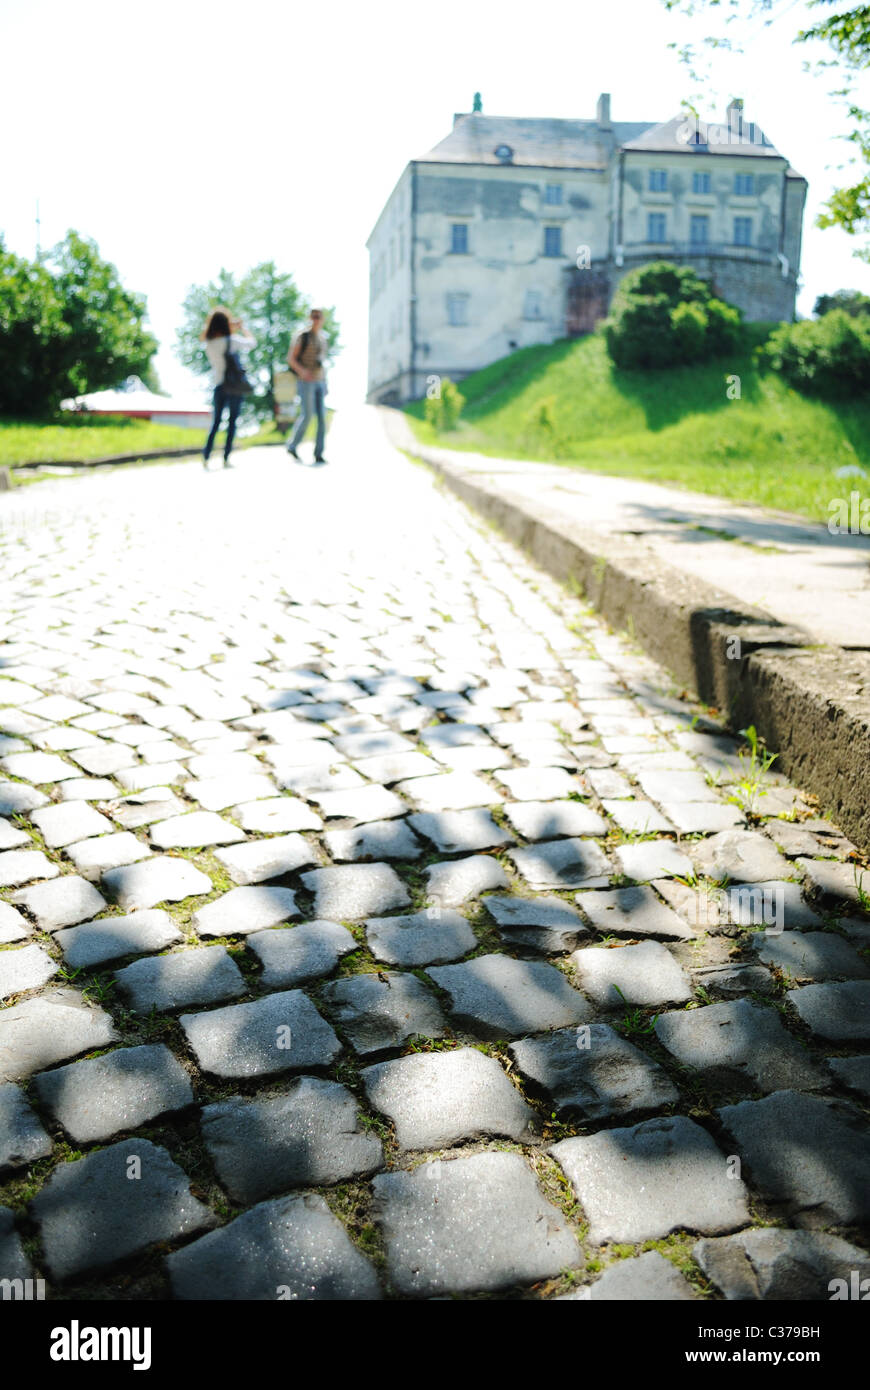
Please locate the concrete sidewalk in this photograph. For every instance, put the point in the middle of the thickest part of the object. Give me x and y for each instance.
(686, 574)
(795, 570)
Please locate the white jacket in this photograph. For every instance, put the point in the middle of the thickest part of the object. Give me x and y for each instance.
(216, 352)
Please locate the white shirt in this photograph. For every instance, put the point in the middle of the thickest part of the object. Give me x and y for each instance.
(216, 352)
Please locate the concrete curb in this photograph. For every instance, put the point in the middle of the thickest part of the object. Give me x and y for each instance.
(129, 458)
(810, 704)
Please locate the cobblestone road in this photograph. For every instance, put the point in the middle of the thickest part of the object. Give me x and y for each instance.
(375, 923)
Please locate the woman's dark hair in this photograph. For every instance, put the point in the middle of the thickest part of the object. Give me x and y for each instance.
(217, 325)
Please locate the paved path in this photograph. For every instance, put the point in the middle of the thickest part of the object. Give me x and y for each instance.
(374, 923)
(796, 570)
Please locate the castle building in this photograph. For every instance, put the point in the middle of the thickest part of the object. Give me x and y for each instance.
(515, 231)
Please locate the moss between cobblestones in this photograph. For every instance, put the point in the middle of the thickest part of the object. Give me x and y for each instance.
(17, 1191)
(485, 930)
(351, 1202)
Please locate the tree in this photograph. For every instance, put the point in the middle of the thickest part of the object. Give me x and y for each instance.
(273, 309)
(851, 301)
(847, 36)
(31, 322)
(107, 339)
(67, 326)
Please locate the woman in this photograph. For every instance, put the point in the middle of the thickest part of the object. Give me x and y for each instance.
(223, 334)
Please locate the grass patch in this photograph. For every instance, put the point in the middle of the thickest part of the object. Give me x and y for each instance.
(72, 439)
(772, 447)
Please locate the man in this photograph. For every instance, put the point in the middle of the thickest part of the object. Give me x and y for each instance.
(306, 358)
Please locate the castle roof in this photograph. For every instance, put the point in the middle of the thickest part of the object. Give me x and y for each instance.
(586, 144)
(543, 143)
(684, 132)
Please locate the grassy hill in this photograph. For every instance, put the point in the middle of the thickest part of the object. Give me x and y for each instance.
(568, 404)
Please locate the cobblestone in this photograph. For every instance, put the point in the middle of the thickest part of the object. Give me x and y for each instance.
(645, 1278)
(417, 939)
(807, 1154)
(291, 1248)
(14, 1264)
(24, 968)
(183, 978)
(49, 1029)
(476, 1223)
(292, 956)
(644, 974)
(93, 858)
(739, 1046)
(191, 831)
(60, 903)
(791, 1265)
(496, 997)
(593, 1074)
(214, 731)
(632, 912)
(460, 832)
(545, 923)
(660, 1176)
(22, 1137)
(156, 881)
(562, 864)
(836, 1012)
(436, 1099)
(308, 1136)
(91, 1215)
(257, 860)
(281, 1033)
(244, 910)
(379, 1012)
(113, 938)
(63, 825)
(96, 1099)
(23, 866)
(355, 891)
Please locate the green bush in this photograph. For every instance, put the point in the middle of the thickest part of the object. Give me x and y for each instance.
(823, 357)
(852, 301)
(664, 315)
(443, 411)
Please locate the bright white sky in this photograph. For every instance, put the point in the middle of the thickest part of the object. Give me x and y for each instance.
(185, 135)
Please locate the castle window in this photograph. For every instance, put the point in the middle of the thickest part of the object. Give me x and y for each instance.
(655, 226)
(744, 185)
(552, 241)
(743, 231)
(533, 305)
(457, 310)
(553, 193)
(700, 181)
(459, 238)
(658, 180)
(699, 230)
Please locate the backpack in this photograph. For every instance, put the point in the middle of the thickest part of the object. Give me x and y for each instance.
(235, 381)
(303, 343)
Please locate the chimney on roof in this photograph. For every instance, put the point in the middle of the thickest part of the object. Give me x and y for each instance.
(602, 111)
(734, 114)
